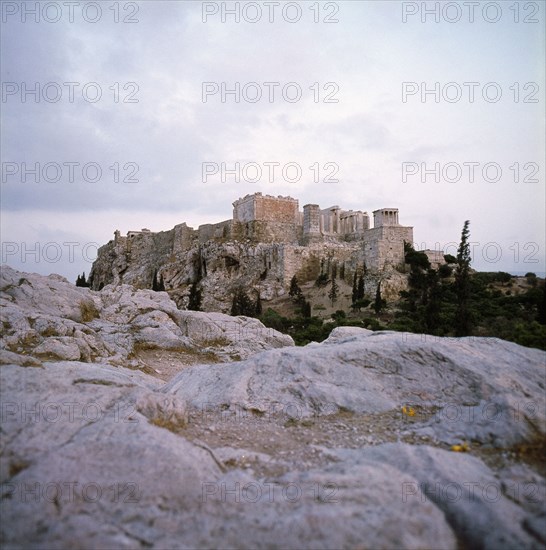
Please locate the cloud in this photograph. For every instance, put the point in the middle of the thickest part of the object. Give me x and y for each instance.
(162, 140)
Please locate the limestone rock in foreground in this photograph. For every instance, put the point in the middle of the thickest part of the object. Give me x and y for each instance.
(333, 507)
(478, 505)
(50, 319)
(482, 389)
(89, 459)
(87, 462)
(98, 456)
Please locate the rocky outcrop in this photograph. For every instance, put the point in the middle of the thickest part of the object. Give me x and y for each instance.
(482, 389)
(374, 440)
(87, 461)
(48, 318)
(220, 266)
(91, 467)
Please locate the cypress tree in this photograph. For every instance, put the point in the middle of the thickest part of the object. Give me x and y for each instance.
(355, 288)
(80, 281)
(360, 292)
(241, 304)
(462, 284)
(541, 318)
(334, 289)
(295, 290)
(194, 301)
(378, 304)
(432, 309)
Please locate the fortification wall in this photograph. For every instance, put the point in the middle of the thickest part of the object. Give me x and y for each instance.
(384, 245)
(271, 232)
(267, 242)
(244, 210)
(184, 238)
(215, 231)
(279, 210)
(258, 207)
(435, 257)
(305, 261)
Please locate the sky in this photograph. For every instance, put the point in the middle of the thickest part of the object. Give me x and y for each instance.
(125, 115)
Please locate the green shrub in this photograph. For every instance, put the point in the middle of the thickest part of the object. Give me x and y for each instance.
(273, 320)
(322, 280)
(531, 279)
(339, 316)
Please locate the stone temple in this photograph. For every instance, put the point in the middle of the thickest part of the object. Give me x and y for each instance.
(264, 219)
(267, 241)
(278, 219)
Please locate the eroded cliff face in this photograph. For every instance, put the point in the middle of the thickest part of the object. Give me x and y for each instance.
(220, 265)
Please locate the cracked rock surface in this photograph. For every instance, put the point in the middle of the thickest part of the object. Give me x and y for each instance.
(368, 440)
(50, 319)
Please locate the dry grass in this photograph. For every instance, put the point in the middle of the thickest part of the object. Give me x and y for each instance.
(165, 364)
(17, 465)
(26, 343)
(175, 427)
(219, 342)
(88, 311)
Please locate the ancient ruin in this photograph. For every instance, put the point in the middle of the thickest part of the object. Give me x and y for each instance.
(266, 219)
(267, 241)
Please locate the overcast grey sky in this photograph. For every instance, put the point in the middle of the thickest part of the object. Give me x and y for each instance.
(390, 92)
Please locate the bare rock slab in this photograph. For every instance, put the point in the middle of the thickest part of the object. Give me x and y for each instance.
(502, 383)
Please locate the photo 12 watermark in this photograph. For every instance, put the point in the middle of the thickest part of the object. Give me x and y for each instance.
(470, 92)
(471, 491)
(469, 172)
(65, 411)
(269, 92)
(486, 411)
(270, 172)
(69, 172)
(50, 252)
(70, 12)
(274, 412)
(491, 251)
(66, 492)
(471, 12)
(232, 330)
(270, 12)
(69, 92)
(253, 492)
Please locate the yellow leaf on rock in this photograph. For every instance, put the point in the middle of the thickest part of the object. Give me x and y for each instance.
(462, 448)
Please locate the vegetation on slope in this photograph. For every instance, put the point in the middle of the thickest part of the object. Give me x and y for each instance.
(452, 300)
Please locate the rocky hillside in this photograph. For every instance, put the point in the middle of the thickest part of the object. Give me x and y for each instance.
(220, 266)
(367, 440)
(47, 318)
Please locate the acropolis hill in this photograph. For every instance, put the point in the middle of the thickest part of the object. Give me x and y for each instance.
(267, 241)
